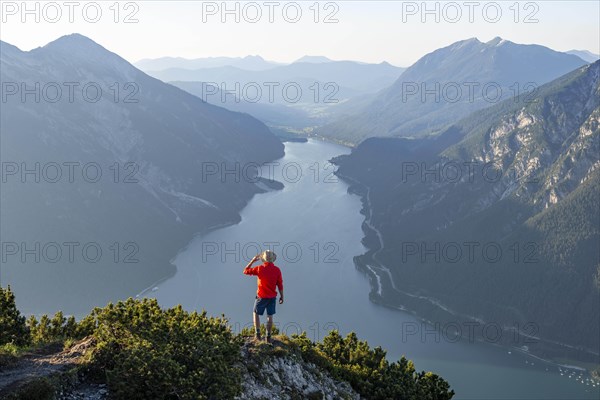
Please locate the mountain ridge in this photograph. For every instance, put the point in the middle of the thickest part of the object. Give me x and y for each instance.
(447, 84)
(585, 55)
(249, 62)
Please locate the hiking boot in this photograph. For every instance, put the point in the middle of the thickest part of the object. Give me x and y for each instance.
(268, 339)
(257, 337)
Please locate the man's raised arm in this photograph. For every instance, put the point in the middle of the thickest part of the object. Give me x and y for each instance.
(248, 270)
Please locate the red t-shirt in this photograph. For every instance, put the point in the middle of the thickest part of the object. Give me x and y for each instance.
(269, 278)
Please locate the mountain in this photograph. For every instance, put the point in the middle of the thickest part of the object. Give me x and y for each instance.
(313, 59)
(495, 221)
(120, 167)
(585, 55)
(299, 95)
(270, 114)
(249, 63)
(448, 84)
(351, 77)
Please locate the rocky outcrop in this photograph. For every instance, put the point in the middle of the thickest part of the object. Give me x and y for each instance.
(271, 372)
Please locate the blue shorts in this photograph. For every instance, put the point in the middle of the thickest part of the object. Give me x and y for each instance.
(261, 304)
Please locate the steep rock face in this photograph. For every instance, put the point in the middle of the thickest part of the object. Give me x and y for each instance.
(450, 83)
(289, 377)
(147, 192)
(543, 149)
(527, 183)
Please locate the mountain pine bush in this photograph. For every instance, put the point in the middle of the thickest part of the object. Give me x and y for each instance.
(147, 352)
(369, 372)
(13, 329)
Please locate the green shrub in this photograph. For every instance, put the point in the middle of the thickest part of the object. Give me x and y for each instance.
(56, 329)
(368, 371)
(9, 354)
(147, 352)
(40, 330)
(12, 324)
(431, 387)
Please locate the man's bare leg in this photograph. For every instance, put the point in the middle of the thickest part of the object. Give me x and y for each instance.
(256, 325)
(269, 325)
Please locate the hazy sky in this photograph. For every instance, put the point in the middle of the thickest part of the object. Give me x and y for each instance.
(399, 32)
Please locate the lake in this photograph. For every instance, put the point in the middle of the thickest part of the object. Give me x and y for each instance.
(314, 226)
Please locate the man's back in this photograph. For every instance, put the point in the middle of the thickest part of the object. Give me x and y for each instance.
(269, 279)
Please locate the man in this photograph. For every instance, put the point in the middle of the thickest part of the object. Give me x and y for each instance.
(269, 279)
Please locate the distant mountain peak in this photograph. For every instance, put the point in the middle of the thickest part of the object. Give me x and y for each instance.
(466, 42)
(497, 41)
(585, 55)
(73, 40)
(78, 48)
(313, 59)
